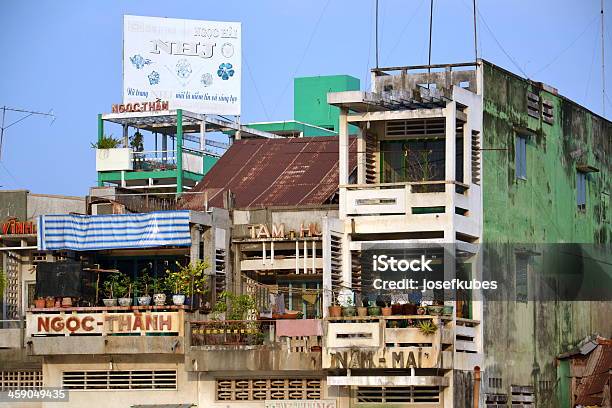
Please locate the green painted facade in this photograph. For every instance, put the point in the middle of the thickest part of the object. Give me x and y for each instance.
(523, 339)
(310, 99)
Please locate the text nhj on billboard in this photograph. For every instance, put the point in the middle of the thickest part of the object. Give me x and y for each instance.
(194, 64)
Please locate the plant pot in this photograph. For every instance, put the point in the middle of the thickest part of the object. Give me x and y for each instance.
(362, 311)
(49, 302)
(374, 311)
(39, 303)
(397, 310)
(124, 302)
(348, 311)
(447, 310)
(109, 302)
(178, 300)
(66, 302)
(435, 310)
(410, 309)
(316, 349)
(421, 310)
(386, 311)
(159, 299)
(335, 311)
(144, 300)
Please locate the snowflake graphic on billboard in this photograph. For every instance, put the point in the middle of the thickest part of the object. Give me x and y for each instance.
(183, 68)
(139, 61)
(225, 71)
(206, 79)
(153, 78)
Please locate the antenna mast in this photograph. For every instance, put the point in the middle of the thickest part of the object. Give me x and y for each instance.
(27, 113)
(475, 34)
(603, 65)
(376, 40)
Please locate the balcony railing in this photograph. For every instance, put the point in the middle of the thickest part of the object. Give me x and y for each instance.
(105, 321)
(252, 333)
(391, 342)
(124, 159)
(398, 198)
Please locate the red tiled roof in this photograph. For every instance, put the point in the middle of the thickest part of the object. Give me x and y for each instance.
(273, 172)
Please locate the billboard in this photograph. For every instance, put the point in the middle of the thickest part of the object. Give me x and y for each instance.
(193, 64)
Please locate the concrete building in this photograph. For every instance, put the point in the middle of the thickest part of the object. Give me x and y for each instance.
(467, 164)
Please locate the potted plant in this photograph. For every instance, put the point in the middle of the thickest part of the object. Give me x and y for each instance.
(158, 287)
(427, 327)
(176, 283)
(106, 142)
(198, 282)
(141, 288)
(335, 310)
(386, 310)
(108, 290)
(373, 309)
(349, 309)
(447, 310)
(362, 309)
(123, 291)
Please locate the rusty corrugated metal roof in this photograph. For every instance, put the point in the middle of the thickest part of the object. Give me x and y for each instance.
(273, 172)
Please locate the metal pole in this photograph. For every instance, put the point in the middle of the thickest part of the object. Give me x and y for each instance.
(376, 40)
(179, 151)
(475, 33)
(2, 130)
(431, 4)
(603, 65)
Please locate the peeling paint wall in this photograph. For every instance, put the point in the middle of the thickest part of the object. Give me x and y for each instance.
(521, 340)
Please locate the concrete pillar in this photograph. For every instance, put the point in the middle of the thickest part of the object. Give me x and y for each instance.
(343, 162)
(361, 156)
(449, 170)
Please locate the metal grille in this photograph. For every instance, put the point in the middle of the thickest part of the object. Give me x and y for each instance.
(247, 389)
(336, 262)
(370, 158)
(416, 127)
(120, 380)
(220, 282)
(20, 379)
(475, 157)
(388, 395)
(12, 285)
(522, 396)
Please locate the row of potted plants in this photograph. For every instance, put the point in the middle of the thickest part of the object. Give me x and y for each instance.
(370, 308)
(186, 281)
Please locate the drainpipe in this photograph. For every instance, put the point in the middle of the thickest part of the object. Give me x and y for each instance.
(476, 397)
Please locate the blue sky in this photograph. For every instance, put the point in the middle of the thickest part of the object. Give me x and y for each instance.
(66, 56)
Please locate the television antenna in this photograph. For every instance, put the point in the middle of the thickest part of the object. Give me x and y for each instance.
(25, 114)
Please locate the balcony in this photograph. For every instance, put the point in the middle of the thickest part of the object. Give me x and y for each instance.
(125, 159)
(106, 330)
(410, 206)
(252, 345)
(393, 342)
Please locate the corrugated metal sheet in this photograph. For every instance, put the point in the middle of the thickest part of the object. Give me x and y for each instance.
(273, 172)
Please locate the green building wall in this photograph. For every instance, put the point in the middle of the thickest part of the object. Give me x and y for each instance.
(523, 339)
(310, 99)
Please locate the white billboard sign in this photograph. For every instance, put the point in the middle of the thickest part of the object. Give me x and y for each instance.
(194, 64)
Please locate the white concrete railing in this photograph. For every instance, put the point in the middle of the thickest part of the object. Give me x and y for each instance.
(368, 342)
(125, 159)
(11, 332)
(398, 198)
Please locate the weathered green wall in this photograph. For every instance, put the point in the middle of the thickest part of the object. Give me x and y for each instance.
(310, 98)
(522, 340)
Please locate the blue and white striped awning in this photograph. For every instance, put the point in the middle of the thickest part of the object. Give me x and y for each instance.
(95, 232)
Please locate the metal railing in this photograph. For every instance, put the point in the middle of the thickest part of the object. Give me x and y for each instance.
(229, 332)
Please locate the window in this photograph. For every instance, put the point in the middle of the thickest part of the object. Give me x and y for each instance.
(120, 380)
(581, 190)
(396, 395)
(20, 379)
(261, 389)
(521, 264)
(520, 156)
